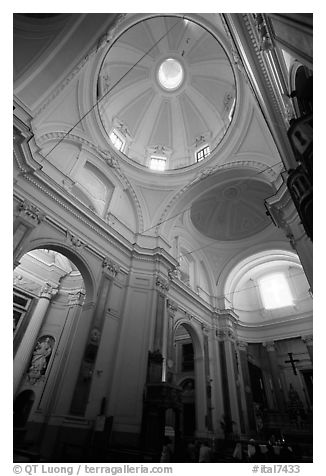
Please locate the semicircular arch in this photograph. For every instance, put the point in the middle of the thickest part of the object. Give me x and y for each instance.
(74, 256)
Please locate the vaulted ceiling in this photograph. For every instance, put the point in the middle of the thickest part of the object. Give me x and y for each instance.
(172, 121)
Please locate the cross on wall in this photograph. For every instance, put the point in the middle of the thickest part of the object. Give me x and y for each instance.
(292, 361)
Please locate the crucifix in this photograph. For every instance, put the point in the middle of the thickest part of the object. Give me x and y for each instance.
(292, 362)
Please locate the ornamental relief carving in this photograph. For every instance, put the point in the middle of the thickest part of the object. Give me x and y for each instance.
(308, 340)
(110, 266)
(48, 291)
(162, 284)
(270, 346)
(225, 334)
(75, 241)
(76, 297)
(172, 308)
(30, 212)
(242, 345)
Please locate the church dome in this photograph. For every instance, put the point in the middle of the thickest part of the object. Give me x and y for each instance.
(166, 91)
(232, 211)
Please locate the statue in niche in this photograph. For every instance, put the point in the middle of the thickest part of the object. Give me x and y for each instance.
(40, 358)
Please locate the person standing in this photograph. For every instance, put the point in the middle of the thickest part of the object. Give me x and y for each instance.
(167, 453)
(205, 453)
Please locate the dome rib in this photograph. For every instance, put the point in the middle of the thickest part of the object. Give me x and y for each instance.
(179, 112)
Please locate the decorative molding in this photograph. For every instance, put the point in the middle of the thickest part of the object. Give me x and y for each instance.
(173, 273)
(172, 308)
(263, 36)
(23, 284)
(111, 161)
(260, 43)
(122, 127)
(30, 212)
(110, 158)
(162, 284)
(205, 330)
(225, 334)
(270, 346)
(220, 334)
(70, 209)
(74, 240)
(110, 266)
(308, 340)
(242, 345)
(48, 291)
(76, 297)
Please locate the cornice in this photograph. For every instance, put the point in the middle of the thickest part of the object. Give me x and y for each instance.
(188, 294)
(258, 50)
(251, 51)
(78, 241)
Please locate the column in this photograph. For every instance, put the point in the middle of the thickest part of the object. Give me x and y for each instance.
(243, 352)
(275, 371)
(160, 332)
(209, 422)
(28, 341)
(86, 372)
(52, 395)
(172, 308)
(309, 343)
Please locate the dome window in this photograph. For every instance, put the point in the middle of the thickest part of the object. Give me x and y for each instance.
(275, 291)
(116, 139)
(158, 163)
(170, 74)
(203, 153)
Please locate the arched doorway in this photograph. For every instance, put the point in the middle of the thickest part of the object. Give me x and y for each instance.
(190, 376)
(49, 292)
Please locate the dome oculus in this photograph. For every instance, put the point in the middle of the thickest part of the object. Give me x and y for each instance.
(170, 74)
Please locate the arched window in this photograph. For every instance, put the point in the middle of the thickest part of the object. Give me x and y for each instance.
(203, 153)
(275, 291)
(158, 163)
(116, 139)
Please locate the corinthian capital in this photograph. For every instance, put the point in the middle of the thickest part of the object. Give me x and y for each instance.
(172, 308)
(76, 297)
(308, 340)
(162, 285)
(269, 346)
(242, 345)
(111, 267)
(47, 291)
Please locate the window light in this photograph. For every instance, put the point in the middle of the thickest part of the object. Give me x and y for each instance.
(202, 153)
(158, 163)
(275, 291)
(170, 74)
(116, 141)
